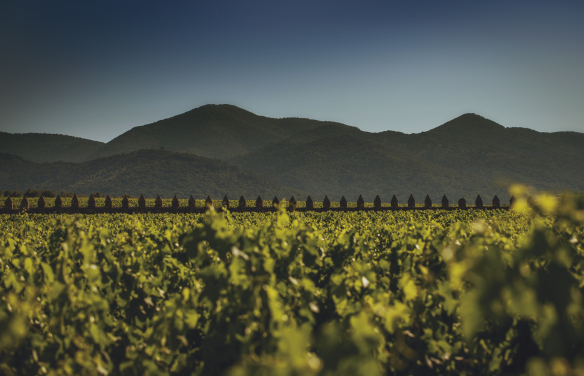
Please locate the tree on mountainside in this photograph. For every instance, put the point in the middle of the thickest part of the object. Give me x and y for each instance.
(11, 193)
(49, 193)
(32, 193)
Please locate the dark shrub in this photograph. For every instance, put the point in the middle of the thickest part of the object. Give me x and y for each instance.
(49, 193)
(32, 193)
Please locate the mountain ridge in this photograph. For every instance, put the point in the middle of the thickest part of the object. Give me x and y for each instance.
(234, 131)
(221, 110)
(461, 157)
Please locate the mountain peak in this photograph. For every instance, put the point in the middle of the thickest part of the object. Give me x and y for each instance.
(223, 109)
(469, 123)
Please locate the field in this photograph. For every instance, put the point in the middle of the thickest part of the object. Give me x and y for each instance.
(338, 293)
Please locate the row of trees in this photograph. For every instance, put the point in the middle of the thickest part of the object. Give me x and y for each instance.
(29, 193)
(37, 193)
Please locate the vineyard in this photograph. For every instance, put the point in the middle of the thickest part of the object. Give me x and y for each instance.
(458, 292)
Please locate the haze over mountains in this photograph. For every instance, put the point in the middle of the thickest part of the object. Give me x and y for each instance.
(463, 157)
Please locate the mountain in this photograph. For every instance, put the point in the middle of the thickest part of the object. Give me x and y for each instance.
(42, 147)
(343, 164)
(471, 144)
(214, 131)
(461, 158)
(150, 172)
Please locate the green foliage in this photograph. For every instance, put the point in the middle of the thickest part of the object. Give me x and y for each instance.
(356, 293)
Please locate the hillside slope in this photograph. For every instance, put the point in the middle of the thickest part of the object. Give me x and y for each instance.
(150, 172)
(42, 147)
(346, 165)
(463, 157)
(471, 144)
(214, 131)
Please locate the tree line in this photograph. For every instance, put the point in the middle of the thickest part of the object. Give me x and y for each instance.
(38, 193)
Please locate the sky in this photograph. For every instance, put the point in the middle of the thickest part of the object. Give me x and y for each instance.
(96, 69)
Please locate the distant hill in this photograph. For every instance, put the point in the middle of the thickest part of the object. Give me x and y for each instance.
(460, 158)
(41, 147)
(464, 157)
(338, 165)
(150, 172)
(214, 131)
(471, 144)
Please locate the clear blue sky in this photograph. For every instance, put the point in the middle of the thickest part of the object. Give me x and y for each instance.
(95, 69)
